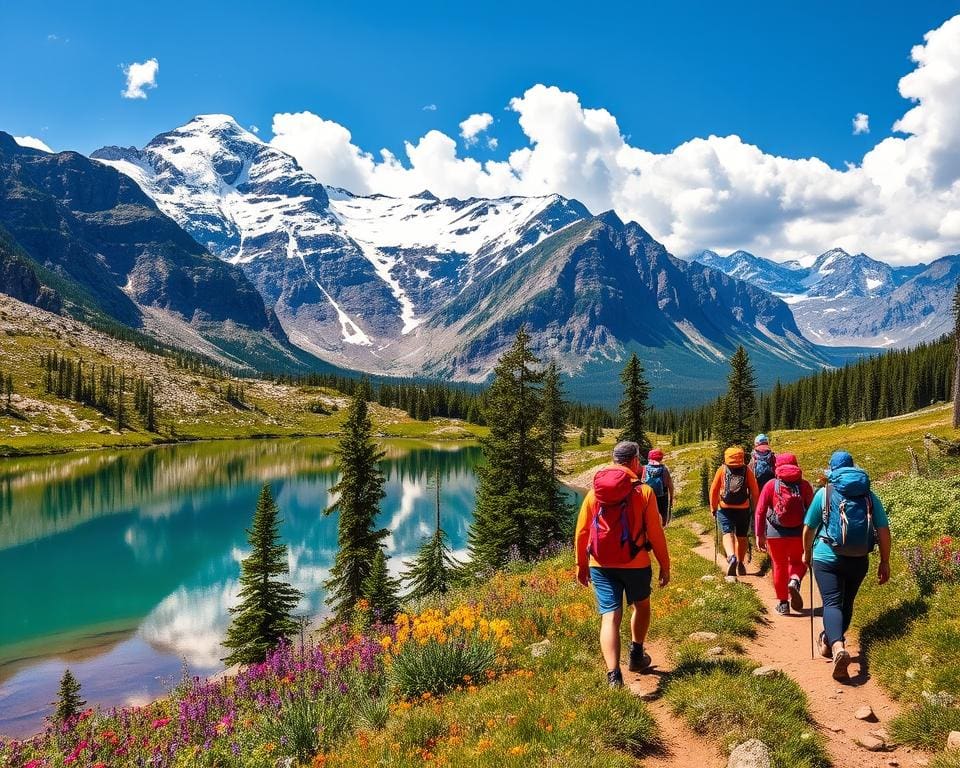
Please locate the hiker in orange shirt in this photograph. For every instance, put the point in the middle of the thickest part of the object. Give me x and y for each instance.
(619, 524)
(733, 497)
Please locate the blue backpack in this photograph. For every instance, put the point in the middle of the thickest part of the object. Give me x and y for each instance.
(848, 513)
(653, 476)
(763, 466)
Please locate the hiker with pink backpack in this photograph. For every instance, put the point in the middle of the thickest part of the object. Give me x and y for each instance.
(778, 522)
(617, 528)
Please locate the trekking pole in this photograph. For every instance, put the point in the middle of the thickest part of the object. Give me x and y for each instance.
(716, 540)
(812, 655)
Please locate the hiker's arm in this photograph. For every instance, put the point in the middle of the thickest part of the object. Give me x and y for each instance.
(580, 540)
(759, 517)
(883, 569)
(715, 490)
(754, 489)
(809, 534)
(657, 538)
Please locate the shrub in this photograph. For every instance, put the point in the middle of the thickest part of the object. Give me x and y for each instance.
(933, 566)
(922, 508)
(434, 652)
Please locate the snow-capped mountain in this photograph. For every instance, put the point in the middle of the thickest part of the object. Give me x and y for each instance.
(423, 286)
(843, 299)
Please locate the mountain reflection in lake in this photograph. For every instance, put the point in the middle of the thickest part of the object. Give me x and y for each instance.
(123, 564)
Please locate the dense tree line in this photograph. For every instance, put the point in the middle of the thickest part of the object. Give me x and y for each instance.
(889, 384)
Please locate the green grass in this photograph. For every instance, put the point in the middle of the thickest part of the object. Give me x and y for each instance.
(724, 700)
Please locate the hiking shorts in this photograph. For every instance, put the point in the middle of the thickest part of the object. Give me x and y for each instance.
(610, 585)
(734, 521)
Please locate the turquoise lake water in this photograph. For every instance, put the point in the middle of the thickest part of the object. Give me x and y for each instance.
(122, 564)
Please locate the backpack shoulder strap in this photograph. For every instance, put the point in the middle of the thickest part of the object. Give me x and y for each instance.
(827, 491)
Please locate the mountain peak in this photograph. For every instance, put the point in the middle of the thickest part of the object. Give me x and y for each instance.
(611, 219)
(426, 194)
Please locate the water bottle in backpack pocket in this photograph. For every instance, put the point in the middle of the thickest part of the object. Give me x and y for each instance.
(848, 514)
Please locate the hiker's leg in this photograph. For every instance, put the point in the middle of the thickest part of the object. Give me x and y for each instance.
(795, 565)
(830, 583)
(610, 638)
(743, 542)
(728, 529)
(729, 544)
(856, 571)
(640, 621)
(778, 561)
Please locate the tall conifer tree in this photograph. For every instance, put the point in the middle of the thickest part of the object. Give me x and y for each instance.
(431, 571)
(381, 590)
(634, 405)
(68, 704)
(264, 616)
(513, 489)
(553, 427)
(359, 492)
(736, 415)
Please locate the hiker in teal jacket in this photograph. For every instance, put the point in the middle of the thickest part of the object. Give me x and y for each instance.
(838, 536)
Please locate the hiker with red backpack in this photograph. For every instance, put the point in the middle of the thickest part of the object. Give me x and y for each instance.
(618, 526)
(657, 476)
(733, 497)
(778, 522)
(844, 523)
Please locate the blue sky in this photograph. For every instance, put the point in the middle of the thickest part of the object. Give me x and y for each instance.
(692, 118)
(786, 76)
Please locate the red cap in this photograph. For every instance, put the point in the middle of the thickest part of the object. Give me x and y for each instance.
(656, 454)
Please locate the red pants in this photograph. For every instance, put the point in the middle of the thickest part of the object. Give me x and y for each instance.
(786, 555)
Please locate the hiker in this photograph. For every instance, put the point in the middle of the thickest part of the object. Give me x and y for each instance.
(843, 524)
(733, 496)
(762, 461)
(657, 476)
(778, 521)
(618, 526)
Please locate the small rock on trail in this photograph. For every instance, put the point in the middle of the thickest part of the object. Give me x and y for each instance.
(751, 754)
(865, 713)
(871, 743)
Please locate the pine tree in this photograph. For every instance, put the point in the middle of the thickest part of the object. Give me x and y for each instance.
(737, 414)
(359, 492)
(431, 571)
(553, 427)
(634, 406)
(381, 590)
(705, 483)
(956, 357)
(263, 618)
(513, 488)
(68, 704)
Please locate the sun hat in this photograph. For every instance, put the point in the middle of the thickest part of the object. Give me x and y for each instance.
(624, 451)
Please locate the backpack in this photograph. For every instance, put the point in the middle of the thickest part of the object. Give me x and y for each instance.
(788, 508)
(763, 466)
(735, 490)
(611, 542)
(848, 513)
(653, 476)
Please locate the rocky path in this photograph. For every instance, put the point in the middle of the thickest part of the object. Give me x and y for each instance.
(783, 642)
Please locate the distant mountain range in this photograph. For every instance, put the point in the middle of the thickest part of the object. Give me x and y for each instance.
(423, 286)
(843, 299)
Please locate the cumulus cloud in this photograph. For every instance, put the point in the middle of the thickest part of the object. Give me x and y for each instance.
(473, 126)
(900, 203)
(33, 142)
(861, 123)
(140, 77)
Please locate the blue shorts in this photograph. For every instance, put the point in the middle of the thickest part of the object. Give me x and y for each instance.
(610, 584)
(735, 521)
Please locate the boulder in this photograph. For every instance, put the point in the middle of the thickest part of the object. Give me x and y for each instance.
(953, 741)
(765, 671)
(538, 650)
(750, 754)
(871, 743)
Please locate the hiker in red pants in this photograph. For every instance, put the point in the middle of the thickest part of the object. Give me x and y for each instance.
(778, 522)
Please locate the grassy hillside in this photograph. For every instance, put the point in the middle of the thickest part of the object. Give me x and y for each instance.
(192, 404)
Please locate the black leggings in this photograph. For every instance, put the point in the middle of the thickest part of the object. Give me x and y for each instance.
(838, 583)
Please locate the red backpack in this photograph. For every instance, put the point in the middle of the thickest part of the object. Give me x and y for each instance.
(788, 507)
(611, 541)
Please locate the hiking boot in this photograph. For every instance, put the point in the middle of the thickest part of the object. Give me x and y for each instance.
(824, 647)
(639, 660)
(732, 565)
(783, 608)
(841, 660)
(741, 569)
(615, 678)
(796, 599)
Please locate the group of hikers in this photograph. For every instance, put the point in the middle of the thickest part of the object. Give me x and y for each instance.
(831, 531)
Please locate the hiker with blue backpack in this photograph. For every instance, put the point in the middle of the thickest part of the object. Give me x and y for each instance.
(763, 461)
(657, 476)
(844, 523)
(617, 528)
(778, 521)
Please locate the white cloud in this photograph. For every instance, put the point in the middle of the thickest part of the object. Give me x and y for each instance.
(899, 203)
(255, 129)
(429, 107)
(861, 123)
(492, 143)
(33, 142)
(473, 126)
(140, 77)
